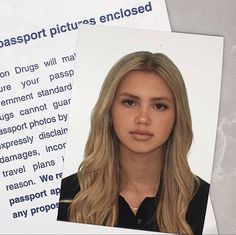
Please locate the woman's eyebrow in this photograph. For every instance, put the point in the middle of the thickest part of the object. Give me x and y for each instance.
(126, 94)
(159, 98)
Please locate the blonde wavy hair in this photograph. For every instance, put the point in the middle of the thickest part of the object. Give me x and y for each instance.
(99, 173)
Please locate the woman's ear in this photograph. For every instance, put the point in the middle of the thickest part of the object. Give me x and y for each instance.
(110, 121)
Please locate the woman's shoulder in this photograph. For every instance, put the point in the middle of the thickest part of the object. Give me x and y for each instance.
(197, 207)
(200, 197)
(202, 190)
(69, 187)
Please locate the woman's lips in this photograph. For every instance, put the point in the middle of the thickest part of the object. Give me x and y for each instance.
(141, 135)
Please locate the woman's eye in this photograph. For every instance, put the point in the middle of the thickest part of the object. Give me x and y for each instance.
(128, 102)
(160, 107)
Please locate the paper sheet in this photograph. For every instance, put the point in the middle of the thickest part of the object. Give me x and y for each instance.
(199, 73)
(37, 48)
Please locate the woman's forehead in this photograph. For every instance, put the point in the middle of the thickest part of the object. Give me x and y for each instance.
(139, 83)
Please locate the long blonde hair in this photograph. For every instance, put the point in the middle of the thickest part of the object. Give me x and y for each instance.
(99, 173)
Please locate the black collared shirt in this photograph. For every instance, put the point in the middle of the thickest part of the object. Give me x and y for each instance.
(145, 218)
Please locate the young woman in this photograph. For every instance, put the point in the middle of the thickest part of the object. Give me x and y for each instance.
(135, 172)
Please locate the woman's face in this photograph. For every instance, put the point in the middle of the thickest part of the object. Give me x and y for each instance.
(143, 112)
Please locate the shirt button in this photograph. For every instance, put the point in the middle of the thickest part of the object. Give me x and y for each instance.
(139, 221)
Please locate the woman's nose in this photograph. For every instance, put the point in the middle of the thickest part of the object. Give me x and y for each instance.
(142, 117)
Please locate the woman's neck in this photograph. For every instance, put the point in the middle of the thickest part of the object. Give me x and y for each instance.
(140, 176)
(140, 172)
